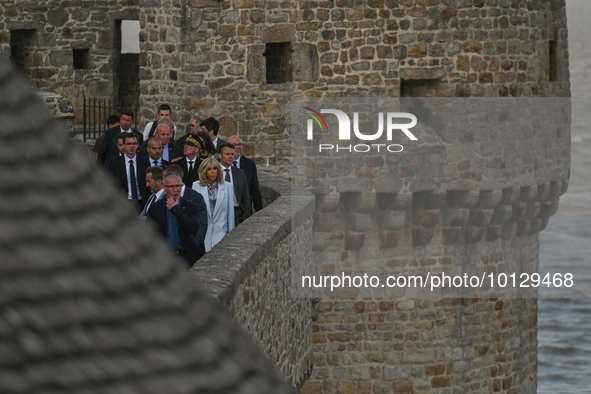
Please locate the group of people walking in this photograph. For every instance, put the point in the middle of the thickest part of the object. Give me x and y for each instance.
(196, 190)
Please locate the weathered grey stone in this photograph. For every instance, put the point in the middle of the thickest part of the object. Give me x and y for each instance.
(396, 373)
(279, 33)
(255, 70)
(408, 73)
(305, 62)
(57, 16)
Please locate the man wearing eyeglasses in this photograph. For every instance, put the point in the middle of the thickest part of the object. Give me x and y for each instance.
(130, 171)
(194, 127)
(179, 219)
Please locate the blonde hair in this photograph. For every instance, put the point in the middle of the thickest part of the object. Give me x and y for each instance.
(203, 181)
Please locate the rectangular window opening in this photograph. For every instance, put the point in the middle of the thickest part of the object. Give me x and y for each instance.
(421, 87)
(22, 49)
(278, 62)
(127, 63)
(81, 59)
(553, 60)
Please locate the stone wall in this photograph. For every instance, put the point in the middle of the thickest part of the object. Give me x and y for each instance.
(53, 30)
(61, 109)
(425, 346)
(249, 273)
(208, 57)
(402, 215)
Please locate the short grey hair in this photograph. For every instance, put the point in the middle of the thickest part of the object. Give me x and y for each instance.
(172, 175)
(197, 119)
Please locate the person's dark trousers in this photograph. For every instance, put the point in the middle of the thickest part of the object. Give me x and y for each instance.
(185, 257)
(238, 216)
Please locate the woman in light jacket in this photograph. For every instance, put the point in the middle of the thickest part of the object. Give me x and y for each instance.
(219, 199)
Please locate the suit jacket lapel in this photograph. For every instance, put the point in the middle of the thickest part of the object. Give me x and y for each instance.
(237, 184)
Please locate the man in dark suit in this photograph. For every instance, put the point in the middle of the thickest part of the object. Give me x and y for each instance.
(108, 147)
(179, 219)
(242, 207)
(154, 150)
(191, 195)
(250, 169)
(154, 183)
(170, 151)
(212, 126)
(120, 147)
(130, 171)
(194, 127)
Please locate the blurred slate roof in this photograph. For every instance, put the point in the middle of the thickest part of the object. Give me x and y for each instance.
(91, 301)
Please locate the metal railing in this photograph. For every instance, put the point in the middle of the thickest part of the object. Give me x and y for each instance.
(97, 110)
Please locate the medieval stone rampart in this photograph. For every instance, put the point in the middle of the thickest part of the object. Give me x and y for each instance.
(249, 273)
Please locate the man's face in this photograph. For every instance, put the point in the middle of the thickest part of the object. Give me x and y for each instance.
(154, 185)
(163, 113)
(155, 150)
(125, 122)
(193, 128)
(227, 156)
(190, 151)
(173, 186)
(120, 146)
(211, 135)
(163, 134)
(130, 147)
(237, 147)
(168, 122)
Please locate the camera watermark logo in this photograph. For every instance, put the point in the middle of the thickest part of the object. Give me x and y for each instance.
(391, 119)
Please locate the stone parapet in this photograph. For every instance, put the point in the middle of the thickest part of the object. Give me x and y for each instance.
(60, 108)
(249, 273)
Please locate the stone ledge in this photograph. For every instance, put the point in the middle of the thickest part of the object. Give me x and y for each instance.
(225, 267)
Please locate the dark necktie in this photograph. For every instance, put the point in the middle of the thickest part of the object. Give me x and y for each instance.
(150, 201)
(132, 180)
(227, 178)
(235, 164)
(190, 166)
(156, 163)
